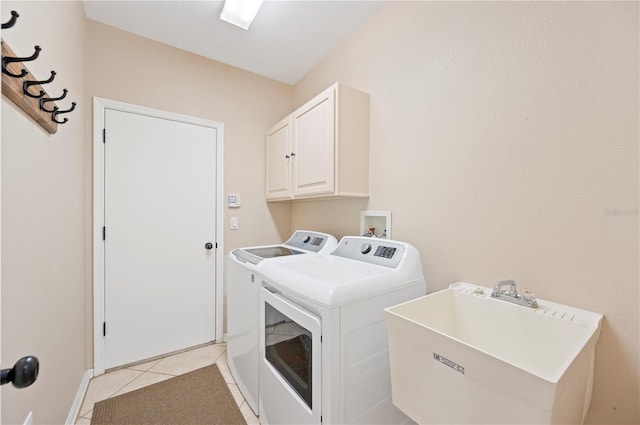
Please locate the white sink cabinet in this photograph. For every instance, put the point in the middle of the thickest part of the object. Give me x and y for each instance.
(321, 149)
(461, 356)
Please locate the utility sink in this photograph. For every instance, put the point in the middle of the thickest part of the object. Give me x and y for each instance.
(461, 356)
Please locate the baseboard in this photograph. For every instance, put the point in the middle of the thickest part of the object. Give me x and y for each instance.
(77, 402)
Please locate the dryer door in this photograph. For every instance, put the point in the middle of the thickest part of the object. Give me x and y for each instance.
(290, 362)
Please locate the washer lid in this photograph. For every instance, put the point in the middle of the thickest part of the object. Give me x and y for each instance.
(256, 255)
(300, 242)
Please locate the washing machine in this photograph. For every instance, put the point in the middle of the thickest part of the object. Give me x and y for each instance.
(243, 281)
(324, 355)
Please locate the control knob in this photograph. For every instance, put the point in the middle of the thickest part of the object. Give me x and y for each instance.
(365, 248)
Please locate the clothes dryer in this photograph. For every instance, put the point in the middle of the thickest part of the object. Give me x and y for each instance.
(243, 282)
(324, 355)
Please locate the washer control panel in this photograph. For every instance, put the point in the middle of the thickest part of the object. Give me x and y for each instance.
(311, 241)
(383, 252)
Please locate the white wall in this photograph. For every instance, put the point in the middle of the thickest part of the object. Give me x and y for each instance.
(504, 139)
(43, 218)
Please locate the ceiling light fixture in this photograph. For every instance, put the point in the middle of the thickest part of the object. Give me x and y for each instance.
(240, 12)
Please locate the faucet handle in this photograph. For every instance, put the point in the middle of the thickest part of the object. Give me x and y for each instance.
(529, 296)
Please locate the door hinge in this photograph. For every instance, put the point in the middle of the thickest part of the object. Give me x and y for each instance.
(104, 328)
(104, 135)
(216, 245)
(104, 233)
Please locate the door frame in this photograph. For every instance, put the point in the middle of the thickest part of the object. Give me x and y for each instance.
(99, 107)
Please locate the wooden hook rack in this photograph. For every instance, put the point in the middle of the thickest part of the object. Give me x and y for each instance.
(12, 87)
(28, 94)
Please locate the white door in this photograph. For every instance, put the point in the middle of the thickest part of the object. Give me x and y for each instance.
(159, 236)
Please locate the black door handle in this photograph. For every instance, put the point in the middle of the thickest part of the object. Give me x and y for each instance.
(22, 374)
(208, 245)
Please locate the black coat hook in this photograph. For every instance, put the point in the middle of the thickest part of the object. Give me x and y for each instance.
(57, 112)
(11, 22)
(43, 100)
(28, 83)
(6, 60)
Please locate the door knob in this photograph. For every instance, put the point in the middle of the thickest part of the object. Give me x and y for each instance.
(22, 374)
(208, 245)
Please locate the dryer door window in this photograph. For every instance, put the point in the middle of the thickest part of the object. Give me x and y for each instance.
(289, 348)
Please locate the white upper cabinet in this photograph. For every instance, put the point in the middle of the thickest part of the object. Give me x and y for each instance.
(322, 148)
(279, 161)
(314, 146)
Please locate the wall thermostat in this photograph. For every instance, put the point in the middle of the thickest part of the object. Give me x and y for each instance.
(233, 201)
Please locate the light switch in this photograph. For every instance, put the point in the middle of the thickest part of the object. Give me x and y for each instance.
(234, 223)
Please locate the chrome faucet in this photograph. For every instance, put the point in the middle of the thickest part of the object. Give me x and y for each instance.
(511, 295)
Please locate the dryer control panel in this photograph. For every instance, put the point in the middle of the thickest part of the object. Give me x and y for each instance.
(382, 252)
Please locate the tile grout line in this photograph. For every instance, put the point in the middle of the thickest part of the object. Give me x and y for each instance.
(137, 378)
(120, 389)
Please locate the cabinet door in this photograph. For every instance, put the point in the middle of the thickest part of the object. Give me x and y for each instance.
(314, 146)
(278, 152)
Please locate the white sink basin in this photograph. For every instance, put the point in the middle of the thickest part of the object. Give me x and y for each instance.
(460, 356)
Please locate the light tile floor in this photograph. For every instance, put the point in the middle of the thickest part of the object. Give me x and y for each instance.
(134, 377)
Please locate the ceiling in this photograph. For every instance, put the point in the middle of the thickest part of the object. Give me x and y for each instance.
(285, 41)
